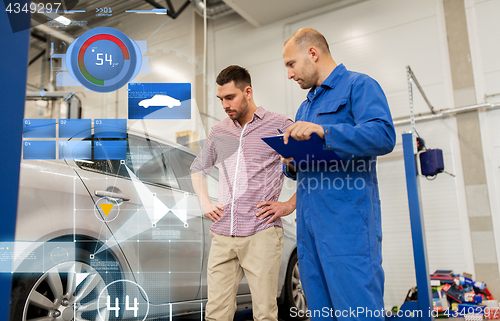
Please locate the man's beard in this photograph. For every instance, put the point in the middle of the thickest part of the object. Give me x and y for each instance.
(309, 77)
(237, 115)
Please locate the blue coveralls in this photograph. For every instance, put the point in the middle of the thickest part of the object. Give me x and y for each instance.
(339, 238)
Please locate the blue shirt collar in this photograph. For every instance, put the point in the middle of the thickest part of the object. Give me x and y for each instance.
(330, 82)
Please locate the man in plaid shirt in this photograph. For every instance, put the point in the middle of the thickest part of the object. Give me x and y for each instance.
(244, 242)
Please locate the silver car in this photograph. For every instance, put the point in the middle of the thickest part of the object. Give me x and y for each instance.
(121, 239)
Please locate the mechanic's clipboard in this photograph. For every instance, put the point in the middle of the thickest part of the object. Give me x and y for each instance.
(304, 151)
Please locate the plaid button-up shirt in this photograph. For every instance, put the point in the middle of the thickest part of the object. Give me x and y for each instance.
(249, 170)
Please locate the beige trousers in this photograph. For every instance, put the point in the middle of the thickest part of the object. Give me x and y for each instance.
(257, 257)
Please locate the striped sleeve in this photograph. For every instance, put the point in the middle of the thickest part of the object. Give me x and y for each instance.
(287, 123)
(205, 161)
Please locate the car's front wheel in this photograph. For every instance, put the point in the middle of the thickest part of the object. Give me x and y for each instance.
(68, 291)
(295, 306)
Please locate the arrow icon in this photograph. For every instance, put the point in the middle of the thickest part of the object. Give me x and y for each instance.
(106, 208)
(155, 208)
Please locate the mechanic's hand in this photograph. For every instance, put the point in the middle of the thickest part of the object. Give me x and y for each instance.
(302, 130)
(213, 211)
(277, 209)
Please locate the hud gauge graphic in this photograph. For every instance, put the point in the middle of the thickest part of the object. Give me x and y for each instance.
(103, 59)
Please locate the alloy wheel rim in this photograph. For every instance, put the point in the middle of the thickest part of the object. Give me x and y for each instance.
(56, 295)
(298, 293)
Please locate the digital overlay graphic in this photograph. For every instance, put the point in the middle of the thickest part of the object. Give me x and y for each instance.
(159, 101)
(103, 59)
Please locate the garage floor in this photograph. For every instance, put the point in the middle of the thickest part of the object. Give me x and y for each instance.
(239, 316)
(247, 316)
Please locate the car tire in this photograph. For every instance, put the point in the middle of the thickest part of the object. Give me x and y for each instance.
(55, 293)
(295, 299)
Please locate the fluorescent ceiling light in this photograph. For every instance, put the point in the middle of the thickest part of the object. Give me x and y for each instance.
(65, 21)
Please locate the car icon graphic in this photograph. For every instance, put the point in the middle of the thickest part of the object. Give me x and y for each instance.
(160, 100)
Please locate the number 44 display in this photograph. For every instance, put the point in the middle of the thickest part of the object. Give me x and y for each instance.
(116, 308)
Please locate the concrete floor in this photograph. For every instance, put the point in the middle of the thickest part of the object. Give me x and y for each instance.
(247, 316)
(239, 316)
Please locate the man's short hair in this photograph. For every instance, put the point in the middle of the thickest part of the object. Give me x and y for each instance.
(239, 75)
(309, 37)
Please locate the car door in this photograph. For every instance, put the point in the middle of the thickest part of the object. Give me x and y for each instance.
(150, 222)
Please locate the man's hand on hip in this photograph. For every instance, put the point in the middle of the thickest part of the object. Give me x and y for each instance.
(287, 161)
(277, 209)
(302, 130)
(213, 211)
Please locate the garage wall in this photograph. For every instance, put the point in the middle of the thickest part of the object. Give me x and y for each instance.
(378, 38)
(443, 206)
(482, 17)
(485, 45)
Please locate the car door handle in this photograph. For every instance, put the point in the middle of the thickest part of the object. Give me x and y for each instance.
(117, 196)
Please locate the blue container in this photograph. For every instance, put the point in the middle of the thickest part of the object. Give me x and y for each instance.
(431, 162)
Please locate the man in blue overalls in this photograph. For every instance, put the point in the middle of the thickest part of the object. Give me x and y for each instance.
(339, 238)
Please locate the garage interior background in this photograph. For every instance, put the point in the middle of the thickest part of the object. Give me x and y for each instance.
(451, 45)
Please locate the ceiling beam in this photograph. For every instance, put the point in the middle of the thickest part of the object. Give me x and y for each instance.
(170, 10)
(37, 56)
(39, 37)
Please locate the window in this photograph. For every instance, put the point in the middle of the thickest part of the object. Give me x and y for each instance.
(185, 160)
(213, 185)
(145, 158)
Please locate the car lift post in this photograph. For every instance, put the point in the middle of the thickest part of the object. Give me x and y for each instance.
(14, 66)
(424, 303)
